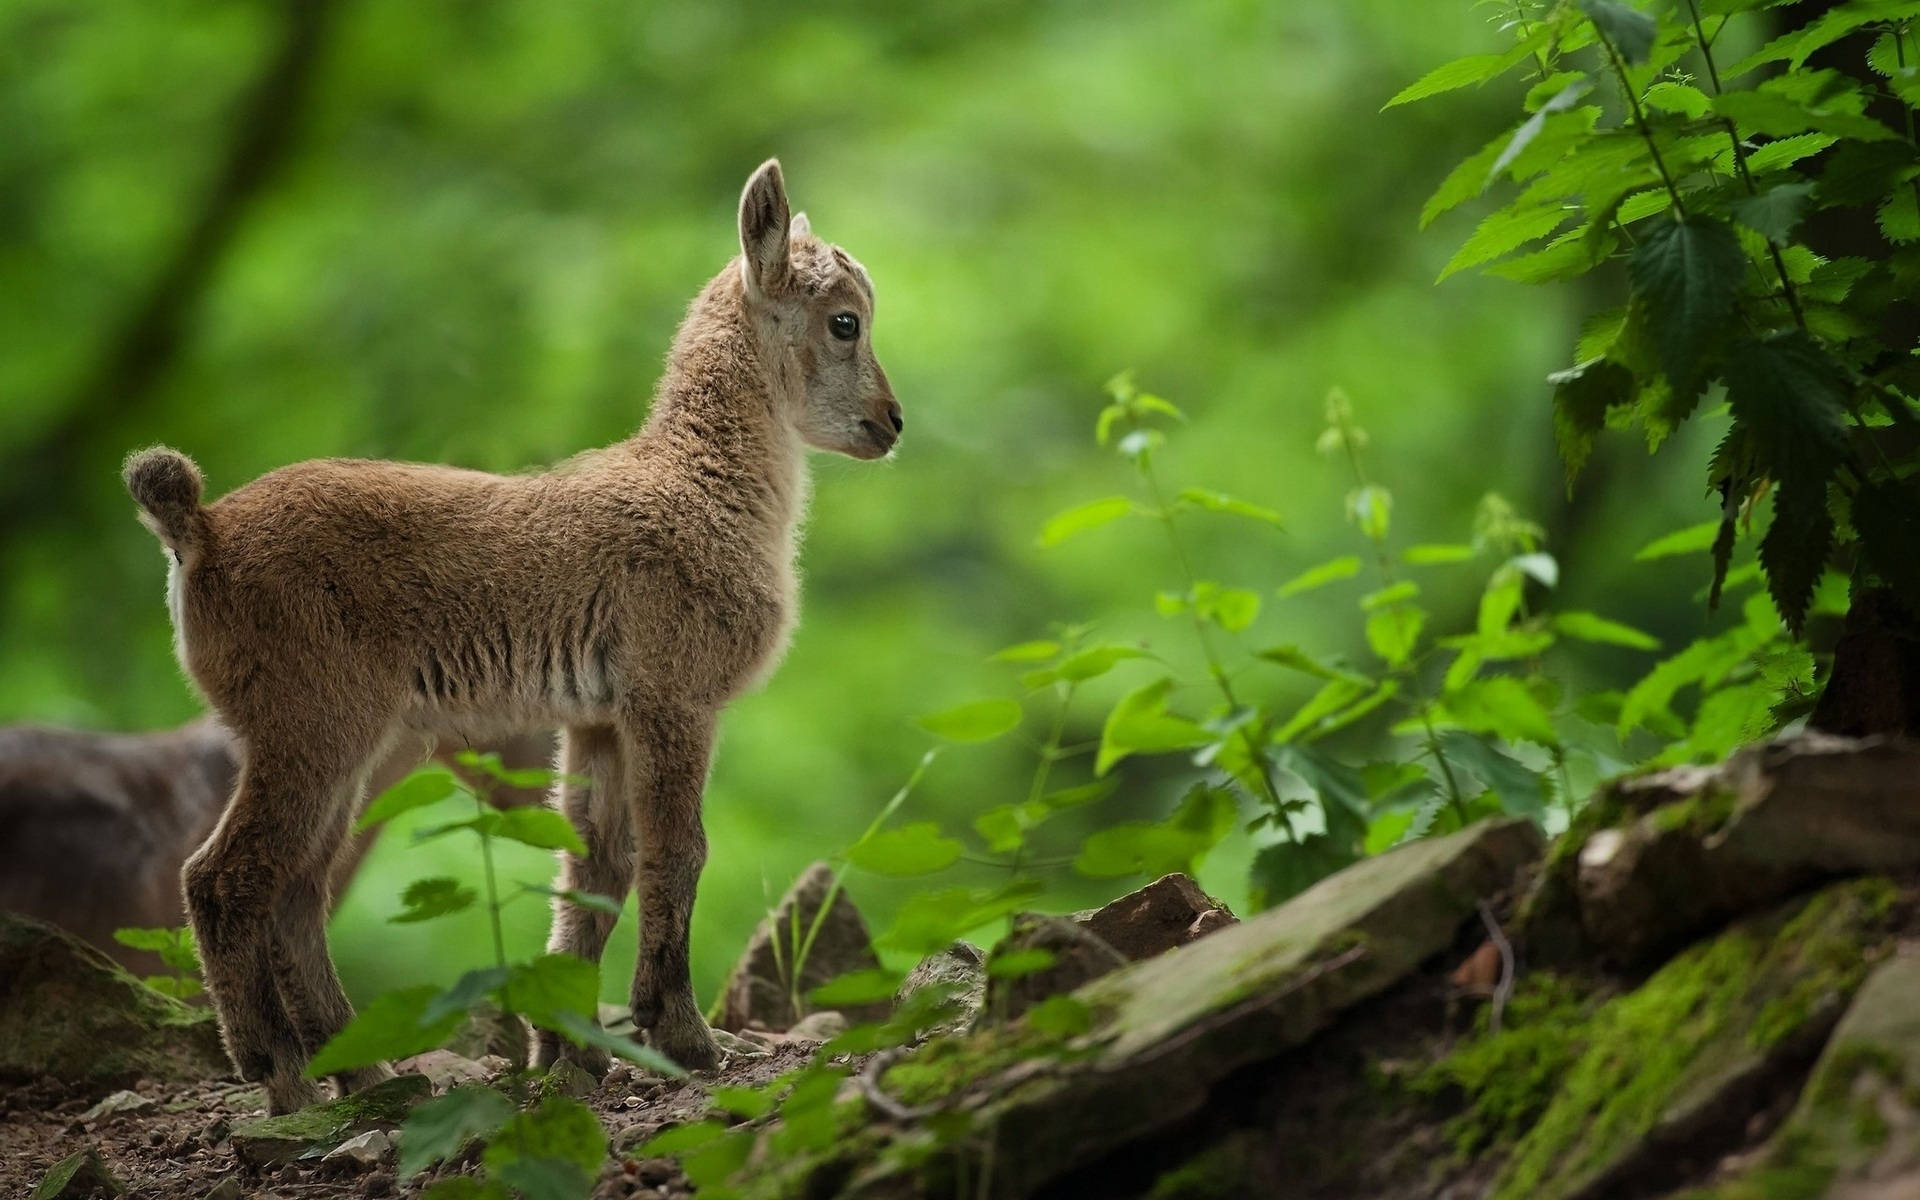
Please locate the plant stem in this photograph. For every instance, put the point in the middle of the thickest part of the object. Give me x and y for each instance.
(1640, 120)
(1255, 742)
(1740, 165)
(493, 890)
(1049, 754)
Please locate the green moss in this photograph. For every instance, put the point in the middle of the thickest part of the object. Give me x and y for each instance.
(1220, 1172)
(384, 1104)
(1509, 1078)
(945, 1066)
(1699, 815)
(1710, 1007)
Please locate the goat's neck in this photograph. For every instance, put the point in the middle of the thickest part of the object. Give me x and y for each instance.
(719, 414)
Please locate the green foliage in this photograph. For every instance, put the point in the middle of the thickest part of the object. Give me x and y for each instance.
(176, 949)
(1707, 195)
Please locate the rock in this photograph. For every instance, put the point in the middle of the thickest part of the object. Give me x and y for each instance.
(1159, 1035)
(1658, 859)
(568, 1078)
(1688, 1056)
(362, 1150)
(119, 1104)
(757, 992)
(69, 1011)
(738, 1046)
(1171, 911)
(78, 1176)
(822, 1026)
(1079, 956)
(443, 1068)
(227, 1189)
(960, 971)
(1857, 1124)
(321, 1127)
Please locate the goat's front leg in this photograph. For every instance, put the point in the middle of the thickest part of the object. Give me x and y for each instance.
(675, 747)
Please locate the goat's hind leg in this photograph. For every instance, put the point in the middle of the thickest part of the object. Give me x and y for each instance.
(592, 793)
(303, 969)
(235, 887)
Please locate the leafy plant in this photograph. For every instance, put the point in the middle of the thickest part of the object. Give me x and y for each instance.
(549, 1150)
(1705, 181)
(176, 949)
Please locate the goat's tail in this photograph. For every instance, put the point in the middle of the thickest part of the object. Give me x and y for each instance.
(166, 484)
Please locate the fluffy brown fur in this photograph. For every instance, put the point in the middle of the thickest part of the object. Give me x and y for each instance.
(627, 595)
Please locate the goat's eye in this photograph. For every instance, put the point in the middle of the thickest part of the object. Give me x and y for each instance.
(845, 326)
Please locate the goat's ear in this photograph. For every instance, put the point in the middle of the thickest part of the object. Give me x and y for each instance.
(801, 226)
(763, 229)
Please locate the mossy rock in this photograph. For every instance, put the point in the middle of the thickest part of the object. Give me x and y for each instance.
(318, 1128)
(1692, 1047)
(1154, 1037)
(69, 1011)
(77, 1176)
(1856, 1129)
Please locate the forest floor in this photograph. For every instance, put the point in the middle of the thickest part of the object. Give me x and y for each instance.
(178, 1148)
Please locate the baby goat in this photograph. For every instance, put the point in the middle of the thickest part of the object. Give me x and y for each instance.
(626, 595)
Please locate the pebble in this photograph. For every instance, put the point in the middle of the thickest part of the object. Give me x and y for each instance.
(226, 1189)
(376, 1185)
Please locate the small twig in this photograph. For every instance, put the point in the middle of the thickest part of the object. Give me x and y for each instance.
(869, 1081)
(1503, 990)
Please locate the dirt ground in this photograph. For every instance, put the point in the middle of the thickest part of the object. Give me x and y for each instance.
(179, 1148)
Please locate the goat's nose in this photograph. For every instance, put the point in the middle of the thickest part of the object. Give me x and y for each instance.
(893, 414)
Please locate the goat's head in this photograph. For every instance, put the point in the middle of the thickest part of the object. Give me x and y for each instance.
(816, 303)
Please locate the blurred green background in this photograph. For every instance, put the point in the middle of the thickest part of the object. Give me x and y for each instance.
(463, 231)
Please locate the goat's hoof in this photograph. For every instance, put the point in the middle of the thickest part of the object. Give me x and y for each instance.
(285, 1095)
(362, 1077)
(690, 1044)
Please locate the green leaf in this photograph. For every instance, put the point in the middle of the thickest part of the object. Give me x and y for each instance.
(855, 988)
(916, 849)
(1519, 786)
(584, 1031)
(1220, 502)
(1794, 550)
(1021, 652)
(488, 763)
(1464, 72)
(681, 1138)
(1394, 632)
(1299, 660)
(1430, 553)
(429, 898)
(1781, 116)
(1327, 572)
(1232, 609)
(1286, 869)
(542, 1178)
(1704, 661)
(1206, 815)
(1018, 964)
(1094, 662)
(1775, 212)
(550, 985)
(1085, 793)
(1340, 789)
(1581, 398)
(978, 721)
(466, 1187)
(1503, 706)
(1692, 540)
(180, 987)
(541, 828)
(1530, 128)
(465, 992)
(1504, 231)
(1590, 627)
(429, 785)
(560, 1128)
(1681, 99)
(389, 1027)
(1393, 593)
(1081, 518)
(1630, 31)
(1370, 506)
(1688, 275)
(1338, 692)
(438, 1128)
(588, 900)
(1062, 1016)
(1140, 724)
(929, 921)
(1841, 20)
(1899, 218)
(1793, 397)
(744, 1102)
